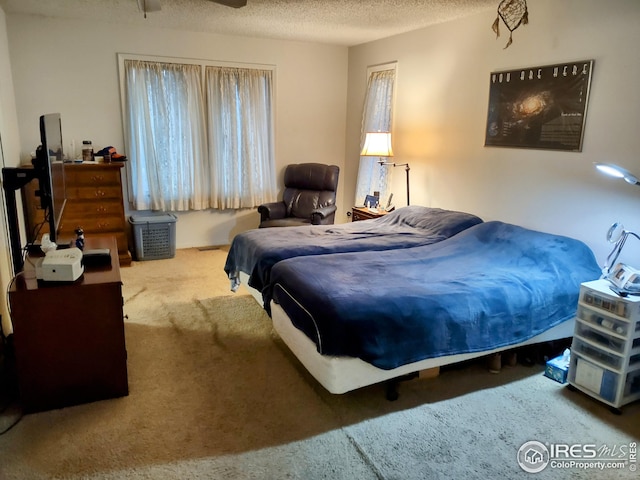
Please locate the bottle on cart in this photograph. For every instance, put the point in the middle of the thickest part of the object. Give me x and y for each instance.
(87, 151)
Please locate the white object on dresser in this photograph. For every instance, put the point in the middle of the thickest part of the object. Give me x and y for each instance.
(605, 353)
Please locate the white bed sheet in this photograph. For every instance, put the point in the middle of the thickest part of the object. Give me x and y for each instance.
(343, 374)
(244, 280)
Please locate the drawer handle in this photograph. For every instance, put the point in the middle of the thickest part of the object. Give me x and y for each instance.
(103, 225)
(97, 178)
(100, 193)
(102, 209)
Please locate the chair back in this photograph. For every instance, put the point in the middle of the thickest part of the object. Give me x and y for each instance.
(309, 186)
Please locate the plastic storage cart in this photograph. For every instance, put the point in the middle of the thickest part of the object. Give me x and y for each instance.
(154, 236)
(605, 353)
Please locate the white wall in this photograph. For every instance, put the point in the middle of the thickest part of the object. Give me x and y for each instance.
(9, 152)
(441, 109)
(70, 67)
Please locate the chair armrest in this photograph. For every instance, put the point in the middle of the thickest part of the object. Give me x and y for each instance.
(323, 213)
(272, 211)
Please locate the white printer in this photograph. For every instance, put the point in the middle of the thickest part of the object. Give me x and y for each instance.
(63, 265)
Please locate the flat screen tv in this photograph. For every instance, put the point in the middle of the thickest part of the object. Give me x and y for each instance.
(49, 163)
(48, 170)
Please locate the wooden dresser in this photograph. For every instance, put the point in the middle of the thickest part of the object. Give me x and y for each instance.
(94, 202)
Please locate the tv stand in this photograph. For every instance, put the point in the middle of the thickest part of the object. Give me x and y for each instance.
(69, 337)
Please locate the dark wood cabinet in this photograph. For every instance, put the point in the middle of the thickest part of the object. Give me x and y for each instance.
(94, 202)
(69, 337)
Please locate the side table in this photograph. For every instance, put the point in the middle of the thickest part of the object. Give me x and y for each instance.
(69, 337)
(363, 213)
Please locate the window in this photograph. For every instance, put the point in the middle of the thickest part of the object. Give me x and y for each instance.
(377, 116)
(240, 137)
(167, 142)
(188, 152)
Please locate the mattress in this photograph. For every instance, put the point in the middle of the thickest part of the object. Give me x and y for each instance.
(492, 286)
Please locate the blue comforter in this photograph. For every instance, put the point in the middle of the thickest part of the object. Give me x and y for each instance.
(490, 286)
(256, 251)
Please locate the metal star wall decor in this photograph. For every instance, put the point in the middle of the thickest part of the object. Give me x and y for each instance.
(513, 13)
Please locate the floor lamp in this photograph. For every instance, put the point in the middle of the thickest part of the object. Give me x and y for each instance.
(378, 144)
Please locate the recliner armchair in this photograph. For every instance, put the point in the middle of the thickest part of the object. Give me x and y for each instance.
(309, 197)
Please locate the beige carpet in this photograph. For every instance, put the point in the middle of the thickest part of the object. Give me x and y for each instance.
(214, 394)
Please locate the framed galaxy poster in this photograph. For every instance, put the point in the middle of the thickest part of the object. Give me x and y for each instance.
(539, 107)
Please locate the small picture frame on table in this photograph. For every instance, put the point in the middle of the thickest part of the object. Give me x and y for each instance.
(371, 201)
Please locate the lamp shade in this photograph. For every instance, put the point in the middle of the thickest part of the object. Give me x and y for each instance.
(377, 144)
(618, 172)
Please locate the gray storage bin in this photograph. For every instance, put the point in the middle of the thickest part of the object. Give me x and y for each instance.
(154, 236)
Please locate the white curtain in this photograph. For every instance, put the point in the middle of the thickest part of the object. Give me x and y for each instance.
(167, 136)
(240, 137)
(376, 117)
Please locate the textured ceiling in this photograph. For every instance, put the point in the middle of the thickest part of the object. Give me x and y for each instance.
(340, 22)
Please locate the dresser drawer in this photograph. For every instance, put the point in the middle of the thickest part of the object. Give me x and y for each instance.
(599, 301)
(587, 375)
(596, 353)
(79, 192)
(357, 216)
(106, 207)
(103, 223)
(604, 320)
(600, 337)
(90, 175)
(121, 238)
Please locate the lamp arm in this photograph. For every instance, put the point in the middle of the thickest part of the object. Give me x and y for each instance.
(394, 164)
(613, 256)
(634, 234)
(406, 169)
(615, 253)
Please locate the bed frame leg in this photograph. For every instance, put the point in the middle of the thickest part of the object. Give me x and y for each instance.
(391, 386)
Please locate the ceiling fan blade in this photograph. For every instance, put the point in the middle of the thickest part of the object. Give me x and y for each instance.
(231, 3)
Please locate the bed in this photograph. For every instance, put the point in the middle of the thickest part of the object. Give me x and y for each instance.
(255, 252)
(354, 319)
